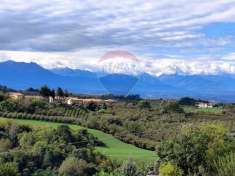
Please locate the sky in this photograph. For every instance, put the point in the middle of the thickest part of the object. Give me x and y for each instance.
(168, 37)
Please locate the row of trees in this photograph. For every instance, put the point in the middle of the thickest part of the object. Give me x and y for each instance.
(45, 91)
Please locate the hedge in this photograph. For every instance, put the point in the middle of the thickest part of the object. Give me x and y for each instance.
(60, 119)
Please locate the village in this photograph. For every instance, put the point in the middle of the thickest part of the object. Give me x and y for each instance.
(70, 100)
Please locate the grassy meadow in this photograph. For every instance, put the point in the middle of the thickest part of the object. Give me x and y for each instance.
(115, 149)
(193, 109)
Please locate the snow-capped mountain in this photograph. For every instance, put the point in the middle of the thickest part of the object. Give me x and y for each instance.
(19, 75)
(119, 65)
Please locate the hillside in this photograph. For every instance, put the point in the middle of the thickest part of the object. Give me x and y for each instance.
(115, 149)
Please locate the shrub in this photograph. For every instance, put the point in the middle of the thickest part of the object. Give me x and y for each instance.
(145, 105)
(3, 96)
(173, 107)
(102, 173)
(19, 115)
(44, 173)
(170, 169)
(73, 167)
(92, 106)
(225, 165)
(59, 119)
(187, 101)
(8, 106)
(8, 169)
(5, 145)
(129, 168)
(196, 148)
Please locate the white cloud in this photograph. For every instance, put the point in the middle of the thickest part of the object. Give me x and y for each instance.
(76, 24)
(76, 33)
(155, 66)
(81, 59)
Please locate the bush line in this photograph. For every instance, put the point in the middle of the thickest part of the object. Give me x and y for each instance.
(27, 116)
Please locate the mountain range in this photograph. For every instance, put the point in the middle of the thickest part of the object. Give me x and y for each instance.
(20, 75)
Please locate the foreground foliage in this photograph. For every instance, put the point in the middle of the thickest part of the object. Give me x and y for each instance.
(205, 148)
(60, 151)
(114, 148)
(199, 150)
(225, 165)
(170, 169)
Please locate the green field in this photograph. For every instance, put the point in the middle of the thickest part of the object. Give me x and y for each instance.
(115, 149)
(214, 110)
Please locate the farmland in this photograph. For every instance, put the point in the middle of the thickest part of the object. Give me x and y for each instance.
(128, 132)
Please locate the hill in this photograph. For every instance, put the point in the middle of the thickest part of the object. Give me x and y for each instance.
(115, 149)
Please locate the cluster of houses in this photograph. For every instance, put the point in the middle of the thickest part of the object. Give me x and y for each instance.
(76, 100)
(67, 100)
(205, 105)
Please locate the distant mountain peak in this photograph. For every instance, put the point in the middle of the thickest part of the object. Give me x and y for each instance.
(21, 64)
(20, 75)
(66, 71)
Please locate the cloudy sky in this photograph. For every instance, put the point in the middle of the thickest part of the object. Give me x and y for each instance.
(192, 37)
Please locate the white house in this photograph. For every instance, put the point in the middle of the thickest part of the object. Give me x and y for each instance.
(51, 99)
(71, 101)
(204, 105)
(16, 95)
(74, 100)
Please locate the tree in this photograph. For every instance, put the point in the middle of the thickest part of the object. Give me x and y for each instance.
(145, 105)
(92, 106)
(187, 101)
(8, 169)
(32, 90)
(65, 133)
(73, 167)
(170, 169)
(133, 97)
(53, 93)
(104, 106)
(41, 152)
(59, 92)
(5, 145)
(45, 91)
(8, 105)
(129, 168)
(27, 140)
(196, 148)
(225, 165)
(4, 88)
(173, 107)
(36, 105)
(2, 96)
(48, 159)
(44, 173)
(66, 93)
